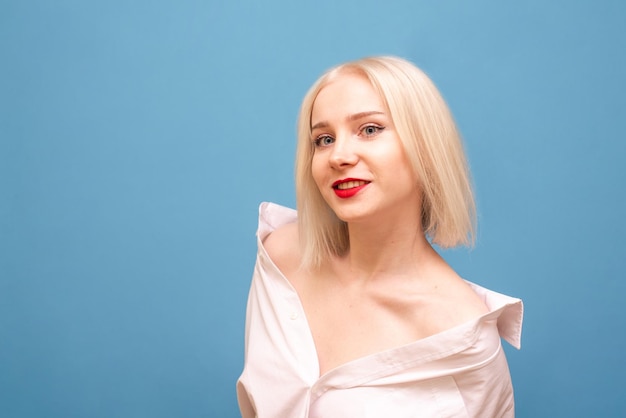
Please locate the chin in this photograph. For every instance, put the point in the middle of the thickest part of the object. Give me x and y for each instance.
(348, 216)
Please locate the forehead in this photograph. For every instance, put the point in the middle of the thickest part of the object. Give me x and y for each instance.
(344, 95)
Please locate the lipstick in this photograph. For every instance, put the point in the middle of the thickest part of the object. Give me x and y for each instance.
(346, 188)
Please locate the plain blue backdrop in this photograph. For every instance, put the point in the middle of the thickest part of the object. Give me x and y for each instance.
(137, 139)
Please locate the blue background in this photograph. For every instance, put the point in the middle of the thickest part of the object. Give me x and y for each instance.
(137, 139)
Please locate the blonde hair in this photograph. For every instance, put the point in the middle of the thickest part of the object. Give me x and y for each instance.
(433, 147)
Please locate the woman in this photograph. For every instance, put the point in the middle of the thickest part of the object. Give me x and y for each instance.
(351, 312)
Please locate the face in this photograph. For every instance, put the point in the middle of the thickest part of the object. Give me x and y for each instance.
(359, 164)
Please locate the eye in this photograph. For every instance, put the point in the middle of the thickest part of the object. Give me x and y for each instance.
(371, 130)
(323, 141)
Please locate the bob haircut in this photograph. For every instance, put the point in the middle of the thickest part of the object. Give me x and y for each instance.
(430, 140)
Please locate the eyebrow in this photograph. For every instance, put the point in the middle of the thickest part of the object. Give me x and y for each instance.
(356, 116)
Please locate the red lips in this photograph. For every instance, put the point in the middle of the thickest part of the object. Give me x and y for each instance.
(346, 188)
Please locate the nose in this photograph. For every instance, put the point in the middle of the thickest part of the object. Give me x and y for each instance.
(343, 153)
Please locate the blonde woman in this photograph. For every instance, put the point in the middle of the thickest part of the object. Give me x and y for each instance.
(351, 312)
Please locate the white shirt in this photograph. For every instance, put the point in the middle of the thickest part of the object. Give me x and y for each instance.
(460, 372)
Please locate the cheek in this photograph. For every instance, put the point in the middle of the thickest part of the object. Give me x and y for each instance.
(407, 174)
(317, 170)
(403, 170)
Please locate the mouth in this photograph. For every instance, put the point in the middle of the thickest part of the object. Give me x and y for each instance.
(348, 187)
(349, 184)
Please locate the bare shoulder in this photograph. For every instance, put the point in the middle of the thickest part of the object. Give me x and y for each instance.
(453, 299)
(283, 247)
(462, 299)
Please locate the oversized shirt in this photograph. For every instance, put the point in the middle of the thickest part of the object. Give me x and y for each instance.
(460, 372)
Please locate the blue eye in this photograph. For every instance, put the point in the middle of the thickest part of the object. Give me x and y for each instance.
(371, 130)
(323, 141)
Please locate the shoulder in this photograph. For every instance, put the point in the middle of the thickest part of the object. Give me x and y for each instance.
(454, 300)
(283, 247)
(461, 301)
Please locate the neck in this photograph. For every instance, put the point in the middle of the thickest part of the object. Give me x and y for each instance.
(387, 250)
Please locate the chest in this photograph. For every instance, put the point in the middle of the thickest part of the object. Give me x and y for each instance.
(347, 324)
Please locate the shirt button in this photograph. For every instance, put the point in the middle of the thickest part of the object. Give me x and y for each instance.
(293, 316)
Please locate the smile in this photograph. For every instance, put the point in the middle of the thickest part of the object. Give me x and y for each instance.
(348, 187)
(350, 184)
